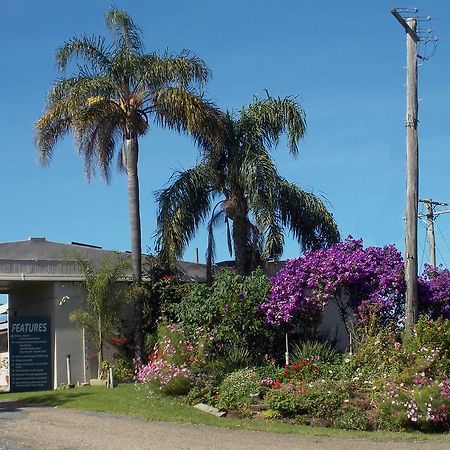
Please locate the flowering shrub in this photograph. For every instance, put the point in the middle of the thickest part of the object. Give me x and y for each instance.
(425, 405)
(239, 389)
(283, 403)
(434, 292)
(365, 279)
(346, 271)
(168, 368)
(429, 347)
(161, 372)
(301, 370)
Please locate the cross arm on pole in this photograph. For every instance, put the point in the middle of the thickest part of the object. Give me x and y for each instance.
(405, 25)
(445, 211)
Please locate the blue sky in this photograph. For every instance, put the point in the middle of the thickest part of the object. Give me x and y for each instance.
(344, 60)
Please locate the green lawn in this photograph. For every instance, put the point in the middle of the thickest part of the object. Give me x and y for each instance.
(126, 399)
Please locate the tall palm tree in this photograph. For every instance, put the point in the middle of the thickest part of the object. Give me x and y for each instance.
(240, 184)
(109, 104)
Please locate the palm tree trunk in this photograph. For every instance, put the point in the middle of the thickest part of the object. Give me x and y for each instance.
(100, 347)
(240, 243)
(132, 151)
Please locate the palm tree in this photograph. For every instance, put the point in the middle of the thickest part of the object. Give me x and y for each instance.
(100, 313)
(109, 103)
(252, 195)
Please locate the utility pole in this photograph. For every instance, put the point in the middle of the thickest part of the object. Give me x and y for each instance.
(431, 216)
(430, 233)
(412, 169)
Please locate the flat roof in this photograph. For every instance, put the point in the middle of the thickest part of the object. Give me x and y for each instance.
(37, 259)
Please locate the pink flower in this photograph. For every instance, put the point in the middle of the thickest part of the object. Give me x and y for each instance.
(397, 345)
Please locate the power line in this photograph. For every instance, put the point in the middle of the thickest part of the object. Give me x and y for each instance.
(424, 36)
(423, 250)
(431, 216)
(445, 242)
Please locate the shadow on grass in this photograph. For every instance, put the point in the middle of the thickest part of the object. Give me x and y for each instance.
(42, 400)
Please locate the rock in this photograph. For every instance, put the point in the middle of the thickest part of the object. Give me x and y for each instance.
(210, 409)
(258, 407)
(97, 382)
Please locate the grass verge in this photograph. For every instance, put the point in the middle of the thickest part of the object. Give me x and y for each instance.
(127, 400)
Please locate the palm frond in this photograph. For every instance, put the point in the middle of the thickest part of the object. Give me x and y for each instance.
(127, 35)
(274, 240)
(269, 118)
(182, 207)
(80, 89)
(96, 133)
(183, 111)
(173, 70)
(50, 127)
(91, 48)
(306, 217)
(258, 173)
(260, 176)
(211, 248)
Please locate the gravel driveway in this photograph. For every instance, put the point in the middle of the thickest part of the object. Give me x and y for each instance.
(58, 428)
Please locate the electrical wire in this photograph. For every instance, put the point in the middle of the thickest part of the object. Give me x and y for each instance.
(445, 242)
(423, 251)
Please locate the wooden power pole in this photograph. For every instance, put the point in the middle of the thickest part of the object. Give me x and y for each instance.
(430, 230)
(431, 216)
(430, 233)
(412, 169)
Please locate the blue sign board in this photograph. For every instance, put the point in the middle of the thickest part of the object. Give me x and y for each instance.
(30, 367)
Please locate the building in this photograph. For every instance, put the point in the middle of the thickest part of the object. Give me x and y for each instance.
(42, 278)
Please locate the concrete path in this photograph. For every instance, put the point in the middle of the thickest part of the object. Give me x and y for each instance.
(57, 428)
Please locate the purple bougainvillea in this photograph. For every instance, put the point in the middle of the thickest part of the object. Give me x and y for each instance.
(359, 276)
(434, 292)
(362, 278)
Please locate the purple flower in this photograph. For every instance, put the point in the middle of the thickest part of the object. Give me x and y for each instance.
(367, 277)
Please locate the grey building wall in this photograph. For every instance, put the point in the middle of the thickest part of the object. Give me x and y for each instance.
(56, 300)
(68, 335)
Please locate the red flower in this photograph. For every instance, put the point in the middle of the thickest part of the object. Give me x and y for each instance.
(119, 340)
(276, 384)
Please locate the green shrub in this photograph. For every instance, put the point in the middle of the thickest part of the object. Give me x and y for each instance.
(227, 313)
(350, 418)
(430, 344)
(270, 371)
(314, 351)
(285, 404)
(270, 414)
(178, 385)
(206, 380)
(236, 357)
(239, 388)
(323, 399)
(123, 369)
(203, 394)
